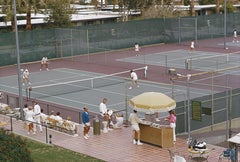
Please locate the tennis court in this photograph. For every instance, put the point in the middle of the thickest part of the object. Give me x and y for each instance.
(76, 88)
(186, 59)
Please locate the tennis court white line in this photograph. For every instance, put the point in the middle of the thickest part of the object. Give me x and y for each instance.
(65, 70)
(62, 98)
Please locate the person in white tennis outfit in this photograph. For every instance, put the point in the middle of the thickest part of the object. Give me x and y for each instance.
(235, 39)
(192, 46)
(134, 79)
(44, 62)
(137, 48)
(25, 77)
(37, 115)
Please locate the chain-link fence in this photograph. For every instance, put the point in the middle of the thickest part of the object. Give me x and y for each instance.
(55, 43)
(217, 105)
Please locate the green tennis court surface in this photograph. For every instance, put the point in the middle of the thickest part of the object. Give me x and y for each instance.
(53, 86)
(197, 60)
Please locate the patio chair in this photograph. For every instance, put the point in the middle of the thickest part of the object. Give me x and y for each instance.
(178, 158)
(172, 154)
(228, 154)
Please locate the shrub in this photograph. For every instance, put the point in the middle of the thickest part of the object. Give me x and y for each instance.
(13, 148)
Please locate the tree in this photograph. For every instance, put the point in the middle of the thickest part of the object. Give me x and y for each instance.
(59, 12)
(229, 7)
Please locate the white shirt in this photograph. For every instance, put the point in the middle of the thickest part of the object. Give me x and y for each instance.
(192, 44)
(37, 110)
(53, 117)
(133, 118)
(43, 117)
(29, 116)
(136, 47)
(58, 118)
(134, 76)
(44, 60)
(103, 108)
(119, 121)
(25, 74)
(235, 33)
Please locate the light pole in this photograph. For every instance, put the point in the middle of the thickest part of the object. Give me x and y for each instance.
(225, 24)
(18, 61)
(188, 107)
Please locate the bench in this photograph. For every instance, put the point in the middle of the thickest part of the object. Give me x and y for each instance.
(65, 126)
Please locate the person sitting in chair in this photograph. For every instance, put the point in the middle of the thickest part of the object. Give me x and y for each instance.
(119, 121)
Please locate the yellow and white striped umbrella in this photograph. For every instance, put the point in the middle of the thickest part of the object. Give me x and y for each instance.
(152, 102)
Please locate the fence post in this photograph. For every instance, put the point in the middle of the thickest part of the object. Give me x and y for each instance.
(46, 133)
(11, 123)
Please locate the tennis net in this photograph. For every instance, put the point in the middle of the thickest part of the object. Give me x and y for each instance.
(61, 88)
(213, 61)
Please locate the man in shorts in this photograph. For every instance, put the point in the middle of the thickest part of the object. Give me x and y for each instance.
(134, 79)
(44, 62)
(134, 120)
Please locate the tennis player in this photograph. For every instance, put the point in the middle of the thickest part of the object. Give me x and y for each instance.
(25, 77)
(137, 48)
(44, 62)
(235, 36)
(134, 79)
(192, 46)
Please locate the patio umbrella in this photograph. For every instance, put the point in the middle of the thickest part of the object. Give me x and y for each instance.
(152, 102)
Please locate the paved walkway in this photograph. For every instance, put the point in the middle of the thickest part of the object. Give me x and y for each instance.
(115, 146)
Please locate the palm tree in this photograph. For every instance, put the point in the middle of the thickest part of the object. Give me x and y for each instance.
(192, 8)
(217, 7)
(7, 9)
(26, 6)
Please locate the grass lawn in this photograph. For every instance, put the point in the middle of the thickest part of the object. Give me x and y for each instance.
(49, 153)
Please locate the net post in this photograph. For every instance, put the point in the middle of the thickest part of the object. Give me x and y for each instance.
(166, 65)
(145, 71)
(92, 83)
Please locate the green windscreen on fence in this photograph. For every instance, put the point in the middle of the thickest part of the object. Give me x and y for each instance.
(64, 42)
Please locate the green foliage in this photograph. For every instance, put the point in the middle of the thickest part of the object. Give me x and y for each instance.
(13, 148)
(229, 7)
(207, 2)
(59, 13)
(138, 4)
(187, 2)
